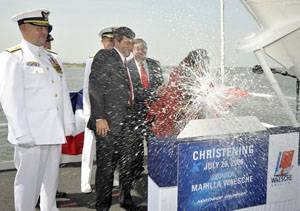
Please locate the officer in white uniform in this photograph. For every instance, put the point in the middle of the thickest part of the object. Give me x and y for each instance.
(88, 152)
(35, 100)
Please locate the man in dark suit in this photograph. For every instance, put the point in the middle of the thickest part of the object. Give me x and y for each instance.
(111, 98)
(146, 77)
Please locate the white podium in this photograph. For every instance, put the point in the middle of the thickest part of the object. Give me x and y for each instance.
(276, 152)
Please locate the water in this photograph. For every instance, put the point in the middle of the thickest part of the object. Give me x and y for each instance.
(267, 109)
(74, 78)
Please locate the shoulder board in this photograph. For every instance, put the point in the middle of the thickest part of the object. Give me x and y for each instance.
(91, 57)
(51, 51)
(14, 49)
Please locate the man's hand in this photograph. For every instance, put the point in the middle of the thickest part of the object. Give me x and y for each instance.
(25, 141)
(102, 127)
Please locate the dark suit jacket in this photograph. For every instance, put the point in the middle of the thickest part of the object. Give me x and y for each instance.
(155, 80)
(108, 90)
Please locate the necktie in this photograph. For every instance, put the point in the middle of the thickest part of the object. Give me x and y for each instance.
(144, 77)
(131, 96)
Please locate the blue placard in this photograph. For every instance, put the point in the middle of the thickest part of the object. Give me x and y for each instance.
(222, 174)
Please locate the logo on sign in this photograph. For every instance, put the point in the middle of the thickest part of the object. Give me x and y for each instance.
(283, 167)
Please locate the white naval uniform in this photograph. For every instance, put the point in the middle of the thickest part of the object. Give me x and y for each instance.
(36, 102)
(89, 144)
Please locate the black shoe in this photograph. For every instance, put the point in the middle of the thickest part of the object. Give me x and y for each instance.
(126, 201)
(92, 204)
(61, 194)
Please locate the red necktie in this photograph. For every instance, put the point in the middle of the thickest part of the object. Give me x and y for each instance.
(131, 96)
(144, 77)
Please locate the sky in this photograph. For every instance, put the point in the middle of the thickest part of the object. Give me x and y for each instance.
(171, 28)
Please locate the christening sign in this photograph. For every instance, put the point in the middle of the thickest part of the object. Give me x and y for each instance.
(223, 174)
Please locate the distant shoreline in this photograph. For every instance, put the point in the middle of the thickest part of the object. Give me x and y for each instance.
(72, 65)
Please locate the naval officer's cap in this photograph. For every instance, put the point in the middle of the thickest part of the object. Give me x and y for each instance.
(107, 32)
(37, 17)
